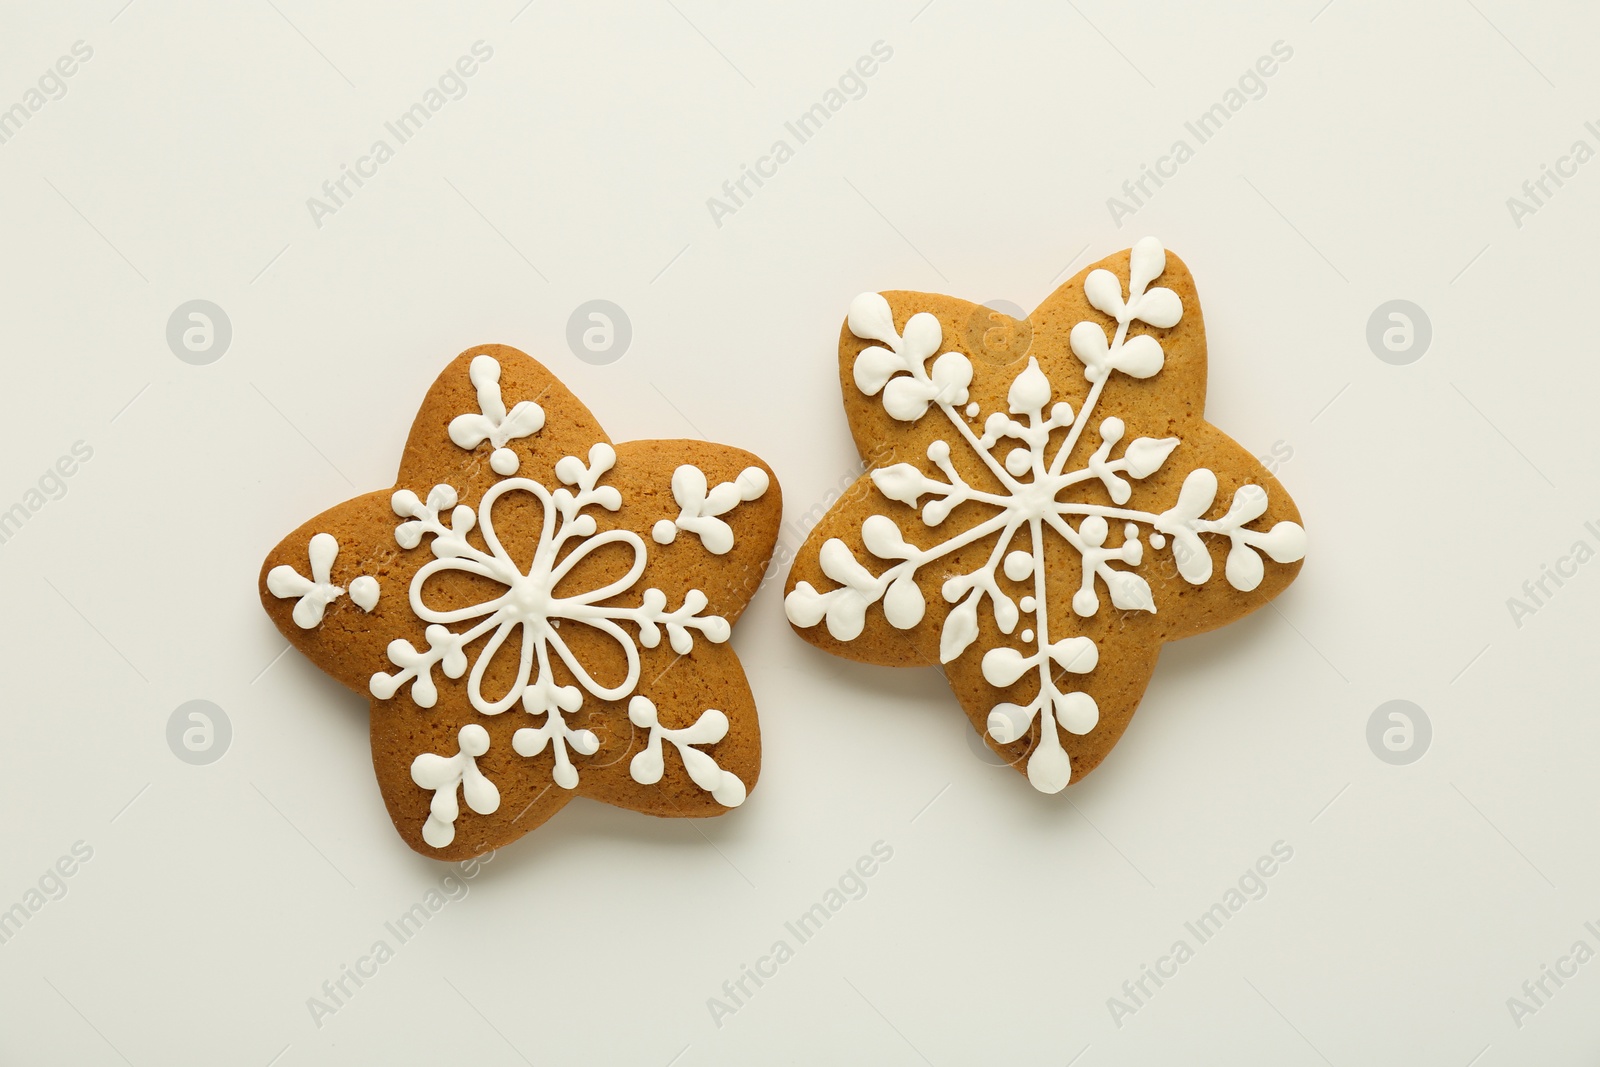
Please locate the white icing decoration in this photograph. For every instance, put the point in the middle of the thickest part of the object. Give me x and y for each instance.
(529, 604)
(318, 591)
(899, 371)
(494, 424)
(1032, 480)
(698, 508)
(443, 774)
(314, 593)
(647, 766)
(531, 740)
(364, 592)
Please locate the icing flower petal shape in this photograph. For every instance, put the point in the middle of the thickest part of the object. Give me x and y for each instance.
(1043, 529)
(503, 620)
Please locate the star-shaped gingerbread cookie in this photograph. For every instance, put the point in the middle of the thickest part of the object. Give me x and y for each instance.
(535, 613)
(1040, 518)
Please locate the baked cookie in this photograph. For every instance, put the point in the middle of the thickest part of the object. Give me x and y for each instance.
(535, 613)
(1040, 518)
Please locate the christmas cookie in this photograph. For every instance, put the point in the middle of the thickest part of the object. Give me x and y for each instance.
(1041, 523)
(535, 613)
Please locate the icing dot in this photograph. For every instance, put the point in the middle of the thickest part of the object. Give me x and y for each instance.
(1130, 532)
(504, 462)
(730, 793)
(474, 739)
(1078, 712)
(1017, 461)
(1018, 565)
(664, 531)
(1157, 541)
(939, 451)
(642, 712)
(752, 483)
(364, 592)
(1028, 603)
(1027, 635)
(973, 409)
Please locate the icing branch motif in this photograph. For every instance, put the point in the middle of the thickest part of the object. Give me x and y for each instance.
(443, 774)
(712, 726)
(318, 591)
(1034, 499)
(524, 619)
(899, 371)
(494, 424)
(698, 509)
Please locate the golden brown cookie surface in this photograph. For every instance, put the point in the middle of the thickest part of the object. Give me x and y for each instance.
(1041, 524)
(536, 613)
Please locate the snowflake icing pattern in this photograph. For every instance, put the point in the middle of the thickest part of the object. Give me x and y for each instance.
(487, 621)
(531, 606)
(1015, 449)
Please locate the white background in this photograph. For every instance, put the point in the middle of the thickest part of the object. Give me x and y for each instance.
(978, 162)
